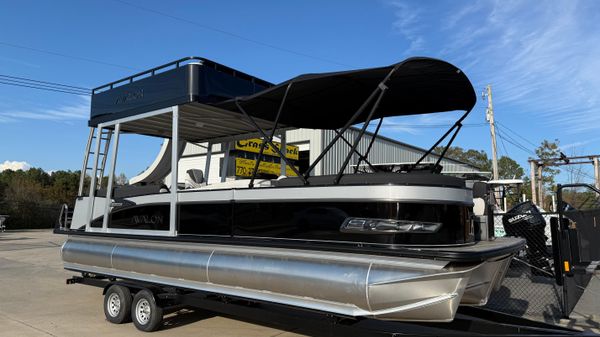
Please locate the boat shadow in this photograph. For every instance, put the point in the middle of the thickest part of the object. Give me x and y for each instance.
(184, 317)
(179, 317)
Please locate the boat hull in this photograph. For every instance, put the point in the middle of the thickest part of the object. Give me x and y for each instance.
(406, 289)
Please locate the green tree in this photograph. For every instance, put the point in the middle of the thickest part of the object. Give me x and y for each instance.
(121, 180)
(32, 198)
(546, 152)
(64, 187)
(509, 169)
(477, 158)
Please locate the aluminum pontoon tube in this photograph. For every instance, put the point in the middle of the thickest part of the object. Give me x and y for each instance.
(348, 284)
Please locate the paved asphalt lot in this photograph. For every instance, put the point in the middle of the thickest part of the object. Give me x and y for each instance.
(35, 301)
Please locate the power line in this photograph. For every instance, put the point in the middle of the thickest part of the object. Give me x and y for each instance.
(430, 126)
(502, 142)
(74, 57)
(24, 79)
(517, 134)
(519, 146)
(43, 85)
(572, 171)
(237, 36)
(514, 142)
(42, 88)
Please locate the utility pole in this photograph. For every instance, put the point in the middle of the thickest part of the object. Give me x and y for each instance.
(540, 185)
(532, 171)
(596, 172)
(489, 116)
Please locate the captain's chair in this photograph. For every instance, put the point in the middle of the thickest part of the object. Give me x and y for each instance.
(479, 198)
(196, 179)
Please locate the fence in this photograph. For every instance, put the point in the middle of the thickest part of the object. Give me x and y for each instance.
(529, 288)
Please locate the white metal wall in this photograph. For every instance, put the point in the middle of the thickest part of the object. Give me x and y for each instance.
(311, 137)
(382, 151)
(194, 157)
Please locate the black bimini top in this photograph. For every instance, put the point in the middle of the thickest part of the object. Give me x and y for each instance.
(206, 93)
(420, 85)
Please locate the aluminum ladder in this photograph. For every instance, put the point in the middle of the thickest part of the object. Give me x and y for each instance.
(102, 146)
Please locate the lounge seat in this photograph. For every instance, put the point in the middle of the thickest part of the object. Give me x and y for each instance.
(416, 178)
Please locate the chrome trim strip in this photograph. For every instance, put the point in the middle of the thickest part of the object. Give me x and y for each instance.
(430, 194)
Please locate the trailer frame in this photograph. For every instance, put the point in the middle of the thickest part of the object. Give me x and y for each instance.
(469, 321)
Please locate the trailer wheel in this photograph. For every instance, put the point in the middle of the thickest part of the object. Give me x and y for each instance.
(145, 313)
(117, 304)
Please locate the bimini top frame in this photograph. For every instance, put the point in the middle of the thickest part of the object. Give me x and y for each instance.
(341, 99)
(200, 89)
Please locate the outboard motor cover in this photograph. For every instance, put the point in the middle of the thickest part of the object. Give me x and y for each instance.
(525, 221)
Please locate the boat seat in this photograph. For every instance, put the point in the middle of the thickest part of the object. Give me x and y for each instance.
(238, 184)
(380, 178)
(196, 179)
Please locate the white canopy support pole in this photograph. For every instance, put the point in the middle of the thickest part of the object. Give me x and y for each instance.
(93, 181)
(111, 176)
(225, 161)
(174, 171)
(284, 151)
(209, 147)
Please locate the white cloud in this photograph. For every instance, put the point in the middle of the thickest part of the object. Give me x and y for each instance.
(78, 110)
(15, 165)
(407, 25)
(541, 59)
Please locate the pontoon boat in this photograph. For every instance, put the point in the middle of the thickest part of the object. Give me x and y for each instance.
(390, 245)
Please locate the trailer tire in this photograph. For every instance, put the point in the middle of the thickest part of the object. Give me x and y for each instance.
(117, 304)
(146, 314)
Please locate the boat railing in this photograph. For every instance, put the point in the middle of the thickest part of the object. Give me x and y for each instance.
(176, 64)
(65, 217)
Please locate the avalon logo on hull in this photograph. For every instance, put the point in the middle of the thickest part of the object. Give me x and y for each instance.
(147, 219)
(130, 96)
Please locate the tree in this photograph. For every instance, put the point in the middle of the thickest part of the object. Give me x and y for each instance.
(545, 152)
(33, 198)
(121, 180)
(477, 158)
(509, 169)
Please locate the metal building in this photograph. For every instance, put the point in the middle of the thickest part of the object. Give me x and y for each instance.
(310, 143)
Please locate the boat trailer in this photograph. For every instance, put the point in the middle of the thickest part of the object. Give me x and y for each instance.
(469, 321)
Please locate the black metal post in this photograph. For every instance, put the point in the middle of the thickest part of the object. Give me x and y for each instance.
(264, 142)
(369, 147)
(356, 151)
(447, 147)
(458, 122)
(264, 135)
(351, 120)
(360, 134)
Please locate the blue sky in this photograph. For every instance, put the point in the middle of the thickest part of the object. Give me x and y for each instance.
(542, 59)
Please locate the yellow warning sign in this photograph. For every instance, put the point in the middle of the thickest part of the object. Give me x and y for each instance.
(253, 145)
(244, 168)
